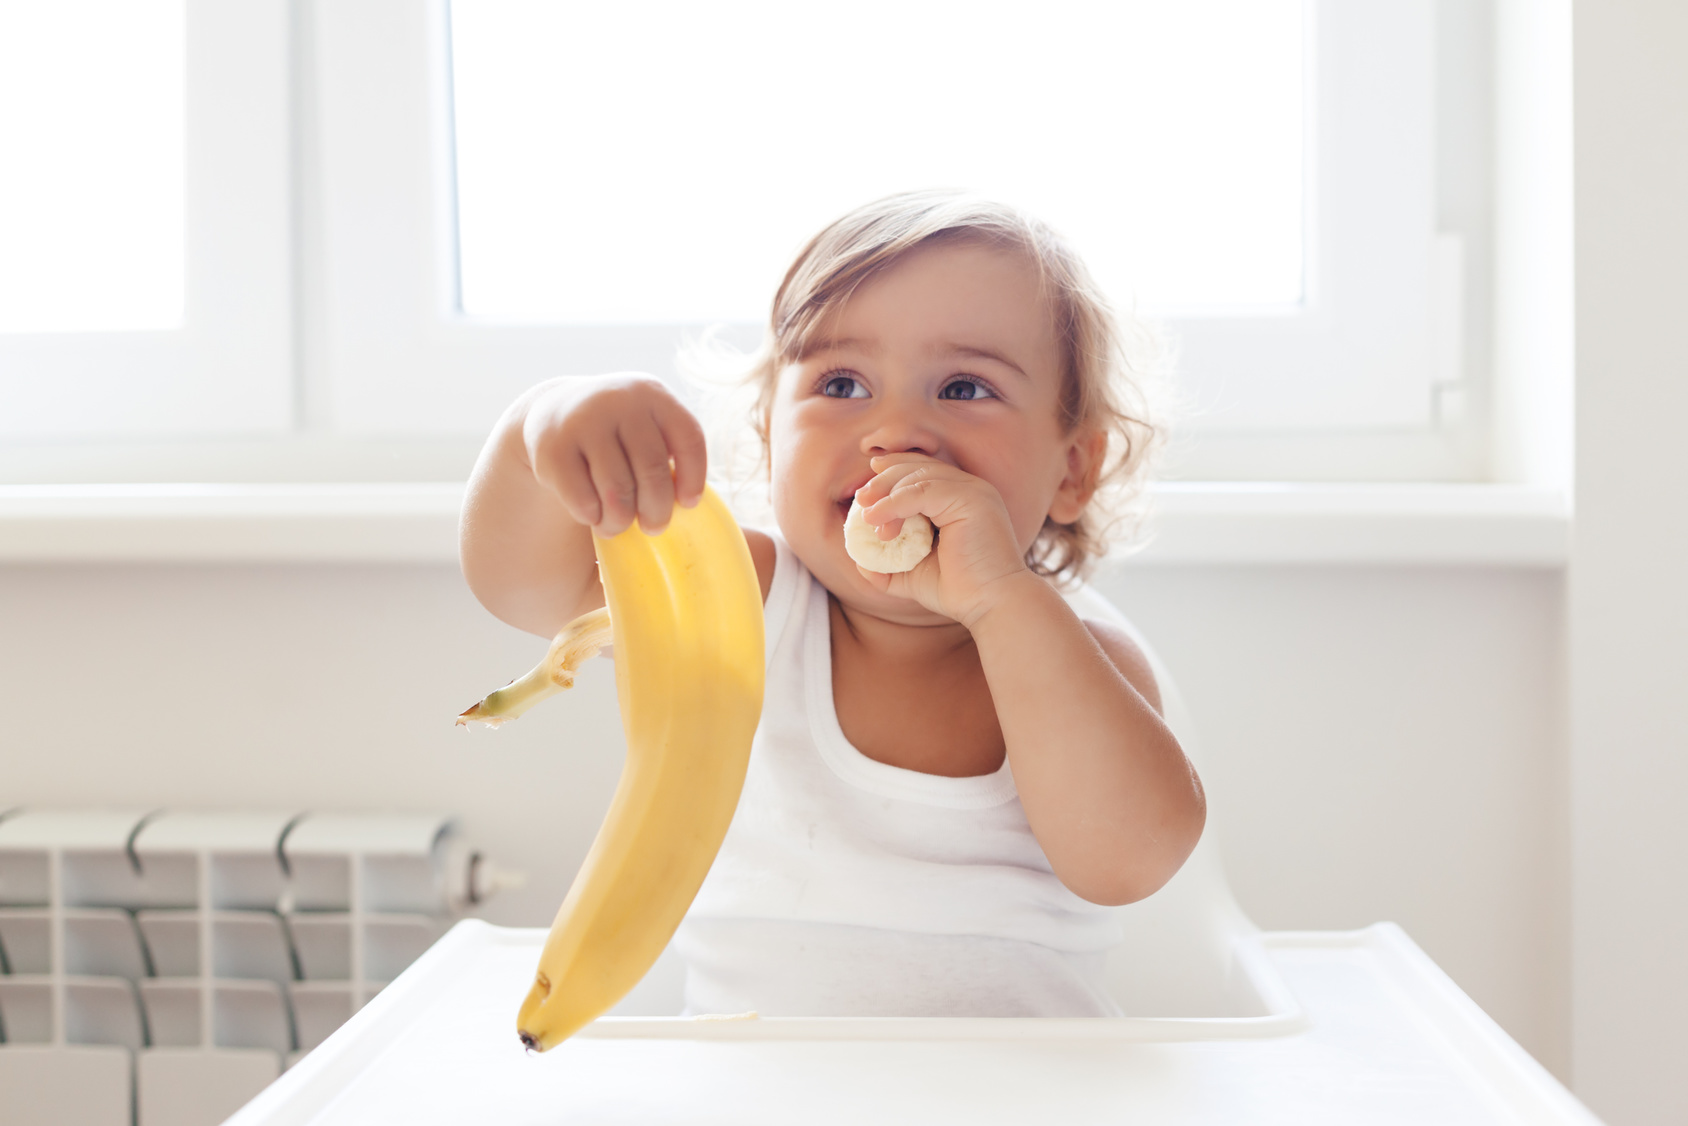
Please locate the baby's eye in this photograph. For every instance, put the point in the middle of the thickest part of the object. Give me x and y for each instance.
(837, 386)
(965, 389)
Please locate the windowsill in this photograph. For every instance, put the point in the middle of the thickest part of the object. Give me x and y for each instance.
(1404, 524)
(1194, 523)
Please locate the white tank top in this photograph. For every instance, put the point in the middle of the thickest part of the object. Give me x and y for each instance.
(848, 887)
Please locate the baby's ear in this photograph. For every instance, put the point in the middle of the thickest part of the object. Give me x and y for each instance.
(1086, 450)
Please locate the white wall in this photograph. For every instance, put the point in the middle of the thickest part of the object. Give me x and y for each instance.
(330, 687)
(1386, 742)
(1629, 609)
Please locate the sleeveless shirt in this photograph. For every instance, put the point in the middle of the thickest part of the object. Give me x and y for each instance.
(849, 887)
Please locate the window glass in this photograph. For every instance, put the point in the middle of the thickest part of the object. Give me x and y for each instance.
(91, 196)
(661, 162)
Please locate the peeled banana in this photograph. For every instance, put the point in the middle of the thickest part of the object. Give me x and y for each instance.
(902, 552)
(685, 612)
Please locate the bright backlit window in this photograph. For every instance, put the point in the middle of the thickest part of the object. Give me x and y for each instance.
(91, 197)
(497, 192)
(662, 162)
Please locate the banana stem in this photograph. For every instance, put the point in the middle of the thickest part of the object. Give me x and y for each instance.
(578, 642)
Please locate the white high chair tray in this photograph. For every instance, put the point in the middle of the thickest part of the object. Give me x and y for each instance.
(1382, 1036)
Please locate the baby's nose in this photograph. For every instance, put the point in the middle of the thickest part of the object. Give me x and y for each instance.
(901, 433)
(930, 449)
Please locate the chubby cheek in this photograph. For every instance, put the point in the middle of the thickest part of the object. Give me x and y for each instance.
(1027, 491)
(1025, 510)
(783, 447)
(800, 503)
(781, 458)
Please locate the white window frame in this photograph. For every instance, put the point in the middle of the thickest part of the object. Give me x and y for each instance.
(1361, 352)
(330, 321)
(229, 368)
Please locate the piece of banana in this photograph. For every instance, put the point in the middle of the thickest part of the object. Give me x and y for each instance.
(902, 552)
(685, 610)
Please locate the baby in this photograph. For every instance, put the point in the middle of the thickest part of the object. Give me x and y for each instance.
(956, 779)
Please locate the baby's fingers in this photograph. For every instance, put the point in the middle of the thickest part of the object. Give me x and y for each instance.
(615, 484)
(902, 490)
(887, 476)
(647, 454)
(908, 498)
(570, 477)
(683, 437)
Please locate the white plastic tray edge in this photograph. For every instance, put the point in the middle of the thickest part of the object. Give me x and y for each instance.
(1467, 1030)
(1285, 1018)
(296, 1097)
(315, 1080)
(1157, 1029)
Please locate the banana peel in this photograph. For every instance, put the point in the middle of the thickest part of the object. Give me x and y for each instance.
(577, 643)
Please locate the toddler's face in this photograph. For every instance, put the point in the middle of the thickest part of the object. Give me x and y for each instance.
(951, 353)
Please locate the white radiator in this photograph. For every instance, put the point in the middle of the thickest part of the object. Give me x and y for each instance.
(158, 969)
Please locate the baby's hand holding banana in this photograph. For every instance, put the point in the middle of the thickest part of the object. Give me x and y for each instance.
(685, 612)
(973, 542)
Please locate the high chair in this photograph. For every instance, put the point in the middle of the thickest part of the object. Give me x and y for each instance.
(1224, 1024)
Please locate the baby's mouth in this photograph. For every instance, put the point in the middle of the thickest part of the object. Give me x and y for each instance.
(842, 504)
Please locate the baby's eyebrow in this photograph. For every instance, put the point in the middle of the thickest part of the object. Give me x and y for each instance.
(977, 352)
(871, 349)
(843, 344)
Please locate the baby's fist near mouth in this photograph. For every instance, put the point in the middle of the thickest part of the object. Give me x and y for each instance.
(902, 552)
(972, 540)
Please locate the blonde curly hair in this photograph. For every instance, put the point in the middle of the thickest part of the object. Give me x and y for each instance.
(1112, 365)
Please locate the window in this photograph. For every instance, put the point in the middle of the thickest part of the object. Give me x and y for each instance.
(377, 252)
(1167, 139)
(91, 203)
(185, 103)
(1334, 330)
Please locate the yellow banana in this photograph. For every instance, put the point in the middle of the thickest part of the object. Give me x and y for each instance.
(685, 610)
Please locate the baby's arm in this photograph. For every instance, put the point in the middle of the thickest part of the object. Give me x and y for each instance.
(568, 456)
(1108, 792)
